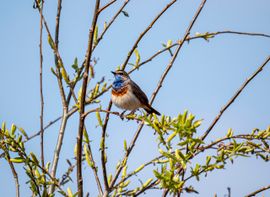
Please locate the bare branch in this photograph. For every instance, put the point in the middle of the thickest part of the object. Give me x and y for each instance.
(15, 175)
(234, 97)
(58, 147)
(41, 88)
(82, 100)
(103, 153)
(95, 168)
(258, 191)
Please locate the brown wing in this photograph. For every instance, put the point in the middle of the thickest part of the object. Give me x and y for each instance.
(139, 93)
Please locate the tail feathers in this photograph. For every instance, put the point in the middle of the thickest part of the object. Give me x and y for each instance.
(151, 110)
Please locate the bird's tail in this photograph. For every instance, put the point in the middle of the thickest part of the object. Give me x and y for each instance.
(150, 110)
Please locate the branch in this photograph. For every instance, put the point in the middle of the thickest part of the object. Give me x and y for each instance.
(144, 32)
(41, 89)
(15, 175)
(241, 33)
(258, 191)
(103, 153)
(94, 167)
(62, 129)
(82, 101)
(106, 6)
(234, 97)
(58, 148)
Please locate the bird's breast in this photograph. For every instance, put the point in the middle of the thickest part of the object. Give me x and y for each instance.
(125, 99)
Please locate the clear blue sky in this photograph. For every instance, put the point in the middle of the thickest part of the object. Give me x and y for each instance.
(205, 75)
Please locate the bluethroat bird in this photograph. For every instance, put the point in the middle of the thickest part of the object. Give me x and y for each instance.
(126, 94)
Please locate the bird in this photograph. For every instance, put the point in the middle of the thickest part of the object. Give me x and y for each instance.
(127, 95)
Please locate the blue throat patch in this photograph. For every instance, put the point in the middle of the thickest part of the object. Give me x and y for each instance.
(118, 82)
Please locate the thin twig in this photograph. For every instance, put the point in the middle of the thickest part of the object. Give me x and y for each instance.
(15, 175)
(241, 33)
(82, 101)
(46, 127)
(106, 6)
(103, 152)
(58, 147)
(147, 187)
(41, 88)
(94, 167)
(234, 97)
(41, 92)
(144, 32)
(258, 191)
(62, 129)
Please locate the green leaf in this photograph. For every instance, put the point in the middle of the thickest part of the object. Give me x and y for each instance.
(169, 43)
(86, 137)
(138, 57)
(65, 75)
(51, 42)
(208, 159)
(99, 119)
(147, 182)
(171, 137)
(125, 145)
(96, 35)
(23, 132)
(87, 153)
(3, 126)
(17, 160)
(139, 168)
(34, 158)
(13, 129)
(229, 133)
(124, 173)
(75, 65)
(75, 150)
(69, 192)
(197, 123)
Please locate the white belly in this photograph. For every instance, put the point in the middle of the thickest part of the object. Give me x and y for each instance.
(127, 101)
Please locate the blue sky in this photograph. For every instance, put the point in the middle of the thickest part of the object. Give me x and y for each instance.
(203, 78)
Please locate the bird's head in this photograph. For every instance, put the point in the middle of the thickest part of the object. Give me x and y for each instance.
(120, 75)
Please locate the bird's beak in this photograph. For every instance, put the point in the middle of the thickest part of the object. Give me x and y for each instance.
(113, 73)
